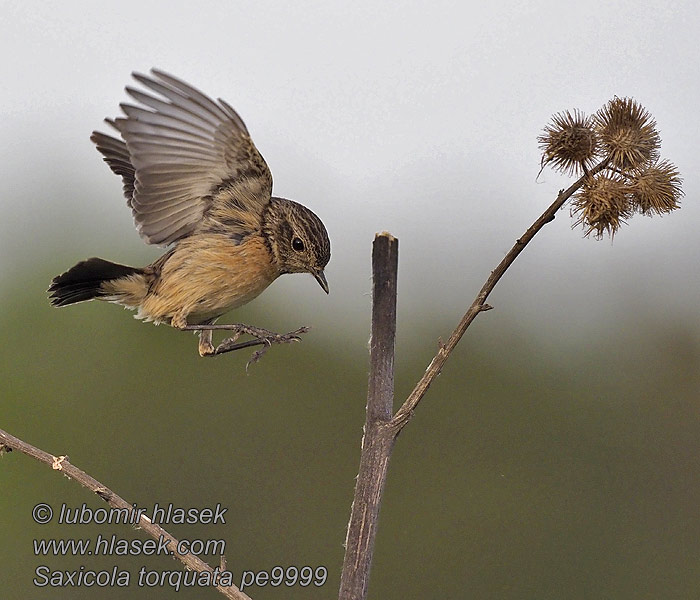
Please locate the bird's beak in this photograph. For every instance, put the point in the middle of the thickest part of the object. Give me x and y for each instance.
(321, 278)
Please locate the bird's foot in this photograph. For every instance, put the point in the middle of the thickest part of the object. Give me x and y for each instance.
(261, 337)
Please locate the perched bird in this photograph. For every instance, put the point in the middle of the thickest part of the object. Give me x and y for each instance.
(194, 180)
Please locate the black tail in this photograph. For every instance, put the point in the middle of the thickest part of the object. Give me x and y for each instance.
(83, 281)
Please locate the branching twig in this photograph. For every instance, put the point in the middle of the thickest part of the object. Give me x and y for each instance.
(61, 463)
(380, 428)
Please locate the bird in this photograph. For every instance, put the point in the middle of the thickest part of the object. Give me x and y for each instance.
(196, 184)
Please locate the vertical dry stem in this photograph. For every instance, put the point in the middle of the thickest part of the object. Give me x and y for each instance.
(378, 439)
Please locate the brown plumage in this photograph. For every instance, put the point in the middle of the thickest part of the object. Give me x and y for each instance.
(193, 178)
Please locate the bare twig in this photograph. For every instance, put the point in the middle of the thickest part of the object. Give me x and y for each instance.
(62, 464)
(378, 439)
(404, 414)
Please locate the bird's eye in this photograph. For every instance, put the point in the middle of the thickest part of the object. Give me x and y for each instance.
(297, 244)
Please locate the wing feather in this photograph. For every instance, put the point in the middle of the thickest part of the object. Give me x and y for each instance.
(186, 161)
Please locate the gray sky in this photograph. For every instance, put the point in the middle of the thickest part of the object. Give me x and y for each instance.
(417, 118)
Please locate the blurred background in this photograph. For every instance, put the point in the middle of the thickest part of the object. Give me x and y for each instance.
(557, 456)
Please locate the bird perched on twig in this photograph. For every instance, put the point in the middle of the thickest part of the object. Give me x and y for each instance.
(194, 180)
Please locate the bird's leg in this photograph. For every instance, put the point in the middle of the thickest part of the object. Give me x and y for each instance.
(206, 348)
(262, 337)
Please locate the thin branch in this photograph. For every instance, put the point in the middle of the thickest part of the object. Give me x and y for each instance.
(378, 438)
(404, 414)
(61, 463)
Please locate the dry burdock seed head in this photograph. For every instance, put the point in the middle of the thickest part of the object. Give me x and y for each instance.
(602, 205)
(569, 142)
(657, 189)
(629, 176)
(627, 133)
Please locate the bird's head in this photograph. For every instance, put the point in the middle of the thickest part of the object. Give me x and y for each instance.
(298, 239)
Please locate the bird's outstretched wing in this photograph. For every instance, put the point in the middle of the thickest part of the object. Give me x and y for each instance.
(187, 162)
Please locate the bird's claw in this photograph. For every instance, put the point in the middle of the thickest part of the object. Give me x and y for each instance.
(261, 337)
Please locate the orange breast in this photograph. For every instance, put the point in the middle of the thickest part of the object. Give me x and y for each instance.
(208, 275)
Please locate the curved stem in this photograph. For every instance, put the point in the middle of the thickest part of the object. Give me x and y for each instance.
(404, 414)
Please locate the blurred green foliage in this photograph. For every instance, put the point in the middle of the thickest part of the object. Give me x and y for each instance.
(529, 471)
